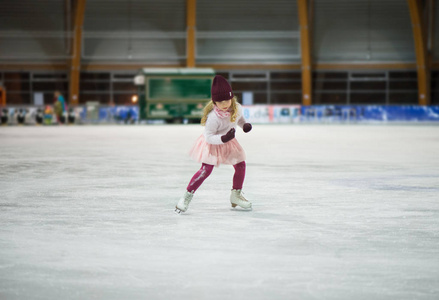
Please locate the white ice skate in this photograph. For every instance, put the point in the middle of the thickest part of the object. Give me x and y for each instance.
(237, 199)
(183, 203)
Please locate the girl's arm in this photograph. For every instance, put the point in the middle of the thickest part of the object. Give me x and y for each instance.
(210, 132)
(242, 122)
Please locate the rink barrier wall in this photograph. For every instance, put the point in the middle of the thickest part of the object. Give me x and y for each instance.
(339, 113)
(369, 113)
(258, 114)
(81, 115)
(264, 114)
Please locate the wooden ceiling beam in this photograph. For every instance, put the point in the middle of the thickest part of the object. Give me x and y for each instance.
(75, 65)
(191, 7)
(420, 41)
(305, 47)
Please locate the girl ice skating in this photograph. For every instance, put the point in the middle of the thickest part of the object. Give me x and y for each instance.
(218, 145)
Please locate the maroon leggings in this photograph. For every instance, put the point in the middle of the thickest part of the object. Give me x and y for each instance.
(206, 170)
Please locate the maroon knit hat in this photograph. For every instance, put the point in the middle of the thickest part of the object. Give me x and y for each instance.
(221, 89)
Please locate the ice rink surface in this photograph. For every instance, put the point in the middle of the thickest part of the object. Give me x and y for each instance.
(339, 212)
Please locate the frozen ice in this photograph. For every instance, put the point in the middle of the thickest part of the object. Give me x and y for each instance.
(339, 212)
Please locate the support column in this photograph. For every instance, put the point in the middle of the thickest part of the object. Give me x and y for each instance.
(305, 47)
(75, 66)
(2, 97)
(419, 34)
(429, 25)
(191, 7)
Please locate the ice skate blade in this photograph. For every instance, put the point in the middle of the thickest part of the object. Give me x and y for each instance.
(236, 207)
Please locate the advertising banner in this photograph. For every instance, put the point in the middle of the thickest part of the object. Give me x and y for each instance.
(271, 113)
(369, 113)
(258, 114)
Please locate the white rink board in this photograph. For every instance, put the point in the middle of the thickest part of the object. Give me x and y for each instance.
(265, 114)
(340, 212)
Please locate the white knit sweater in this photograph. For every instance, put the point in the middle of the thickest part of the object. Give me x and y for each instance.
(217, 127)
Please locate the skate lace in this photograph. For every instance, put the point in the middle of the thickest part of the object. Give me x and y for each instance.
(241, 196)
(187, 199)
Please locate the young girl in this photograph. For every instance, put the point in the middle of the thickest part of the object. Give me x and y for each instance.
(217, 145)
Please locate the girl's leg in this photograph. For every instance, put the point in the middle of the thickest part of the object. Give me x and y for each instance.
(199, 177)
(238, 178)
(236, 198)
(194, 184)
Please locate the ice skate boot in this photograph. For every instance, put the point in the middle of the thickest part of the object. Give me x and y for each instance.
(237, 199)
(183, 203)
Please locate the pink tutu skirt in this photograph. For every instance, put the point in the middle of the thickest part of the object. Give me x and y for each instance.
(229, 153)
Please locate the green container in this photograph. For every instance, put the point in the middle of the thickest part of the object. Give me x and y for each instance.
(173, 94)
(178, 88)
(174, 110)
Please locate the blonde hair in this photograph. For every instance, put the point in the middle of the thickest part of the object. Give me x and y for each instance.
(210, 105)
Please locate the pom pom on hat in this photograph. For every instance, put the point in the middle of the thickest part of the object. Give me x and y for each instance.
(221, 89)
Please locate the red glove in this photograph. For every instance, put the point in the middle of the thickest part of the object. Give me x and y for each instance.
(247, 127)
(228, 136)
